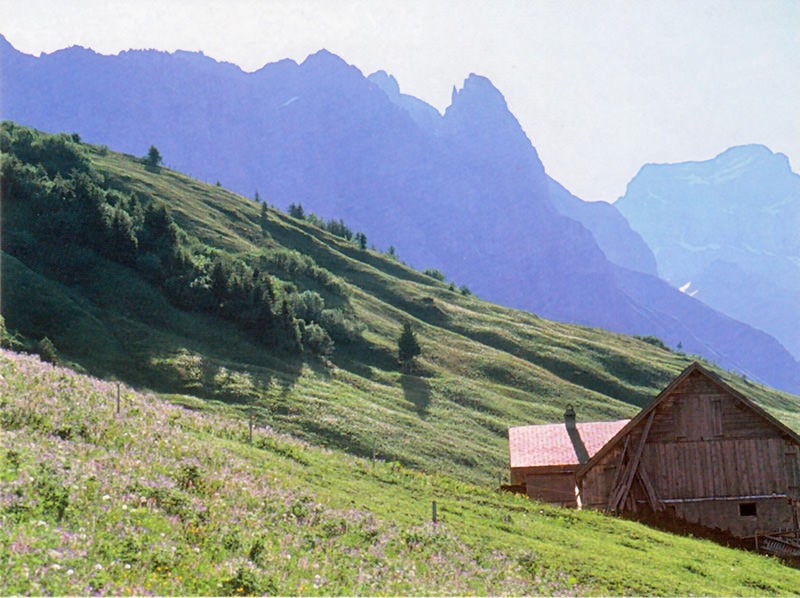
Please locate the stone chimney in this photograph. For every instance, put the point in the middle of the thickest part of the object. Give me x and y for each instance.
(569, 417)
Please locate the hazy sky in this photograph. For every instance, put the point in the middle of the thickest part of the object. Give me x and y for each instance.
(600, 87)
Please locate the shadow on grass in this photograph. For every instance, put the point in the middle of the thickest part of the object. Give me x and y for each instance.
(359, 358)
(417, 392)
(290, 371)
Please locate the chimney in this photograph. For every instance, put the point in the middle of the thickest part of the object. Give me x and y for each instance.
(572, 430)
(569, 417)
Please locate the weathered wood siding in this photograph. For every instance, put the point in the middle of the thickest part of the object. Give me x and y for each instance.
(772, 514)
(554, 488)
(707, 452)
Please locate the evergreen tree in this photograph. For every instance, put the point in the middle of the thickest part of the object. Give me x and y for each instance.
(289, 332)
(407, 346)
(153, 158)
(219, 283)
(296, 211)
(262, 219)
(361, 239)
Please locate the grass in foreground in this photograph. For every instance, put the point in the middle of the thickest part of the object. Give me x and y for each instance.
(161, 499)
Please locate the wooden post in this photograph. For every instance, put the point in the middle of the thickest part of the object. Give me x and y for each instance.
(433, 512)
(649, 490)
(251, 427)
(625, 485)
(118, 406)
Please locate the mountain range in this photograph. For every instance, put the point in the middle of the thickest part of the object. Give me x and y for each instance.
(463, 192)
(727, 231)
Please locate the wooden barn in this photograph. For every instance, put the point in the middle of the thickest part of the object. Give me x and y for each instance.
(700, 452)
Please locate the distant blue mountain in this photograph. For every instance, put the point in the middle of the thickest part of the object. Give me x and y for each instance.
(464, 192)
(727, 230)
(618, 241)
(426, 116)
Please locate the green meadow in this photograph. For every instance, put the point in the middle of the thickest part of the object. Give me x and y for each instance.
(176, 500)
(333, 494)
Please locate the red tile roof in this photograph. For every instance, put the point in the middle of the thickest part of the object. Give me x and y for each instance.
(550, 444)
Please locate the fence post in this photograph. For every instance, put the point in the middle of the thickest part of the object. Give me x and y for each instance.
(433, 511)
(118, 398)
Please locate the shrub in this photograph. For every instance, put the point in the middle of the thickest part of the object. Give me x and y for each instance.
(340, 327)
(47, 351)
(434, 273)
(53, 497)
(316, 339)
(245, 582)
(653, 340)
(7, 339)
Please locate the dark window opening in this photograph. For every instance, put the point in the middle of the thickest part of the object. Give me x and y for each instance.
(747, 509)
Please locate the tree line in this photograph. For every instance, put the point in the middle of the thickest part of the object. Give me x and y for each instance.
(60, 213)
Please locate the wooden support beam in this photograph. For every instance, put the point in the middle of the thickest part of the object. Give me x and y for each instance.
(618, 472)
(633, 465)
(649, 490)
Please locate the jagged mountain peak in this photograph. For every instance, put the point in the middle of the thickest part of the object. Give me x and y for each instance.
(386, 82)
(72, 51)
(478, 90)
(324, 58)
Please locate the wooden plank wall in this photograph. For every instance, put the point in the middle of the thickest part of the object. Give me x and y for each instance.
(773, 514)
(554, 488)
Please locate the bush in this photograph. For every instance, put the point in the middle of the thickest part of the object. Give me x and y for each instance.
(307, 305)
(316, 339)
(340, 327)
(653, 340)
(245, 582)
(47, 351)
(434, 273)
(7, 340)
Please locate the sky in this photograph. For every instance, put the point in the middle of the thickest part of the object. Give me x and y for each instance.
(601, 87)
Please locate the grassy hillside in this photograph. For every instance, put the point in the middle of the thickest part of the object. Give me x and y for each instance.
(161, 499)
(483, 368)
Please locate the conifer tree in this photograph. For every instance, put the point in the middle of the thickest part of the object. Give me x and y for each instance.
(407, 346)
(262, 219)
(153, 158)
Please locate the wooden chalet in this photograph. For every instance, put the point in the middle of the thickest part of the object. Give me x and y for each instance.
(700, 452)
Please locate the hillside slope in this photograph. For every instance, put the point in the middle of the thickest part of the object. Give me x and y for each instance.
(483, 367)
(153, 498)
